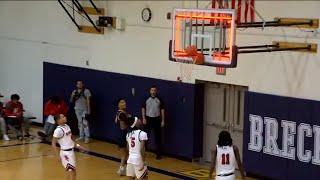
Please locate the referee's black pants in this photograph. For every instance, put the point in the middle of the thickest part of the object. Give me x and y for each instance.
(154, 124)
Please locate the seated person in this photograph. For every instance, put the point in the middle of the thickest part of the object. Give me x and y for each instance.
(14, 115)
(3, 127)
(54, 106)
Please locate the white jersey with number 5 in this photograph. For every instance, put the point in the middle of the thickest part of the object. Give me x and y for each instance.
(134, 139)
(226, 161)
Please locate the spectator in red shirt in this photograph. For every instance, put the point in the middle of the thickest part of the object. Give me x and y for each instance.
(14, 108)
(14, 115)
(54, 106)
(3, 127)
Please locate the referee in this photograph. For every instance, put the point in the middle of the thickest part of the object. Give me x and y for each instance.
(153, 117)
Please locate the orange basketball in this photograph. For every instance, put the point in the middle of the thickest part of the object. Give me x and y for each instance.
(198, 59)
(191, 50)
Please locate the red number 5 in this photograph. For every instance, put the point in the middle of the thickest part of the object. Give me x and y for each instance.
(132, 142)
(225, 159)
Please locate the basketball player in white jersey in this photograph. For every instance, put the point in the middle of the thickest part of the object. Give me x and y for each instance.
(63, 136)
(224, 158)
(136, 139)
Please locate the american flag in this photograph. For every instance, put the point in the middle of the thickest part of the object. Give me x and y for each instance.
(244, 8)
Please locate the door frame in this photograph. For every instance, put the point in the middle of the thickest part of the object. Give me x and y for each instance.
(200, 110)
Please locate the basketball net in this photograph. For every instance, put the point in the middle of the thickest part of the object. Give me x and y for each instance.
(186, 70)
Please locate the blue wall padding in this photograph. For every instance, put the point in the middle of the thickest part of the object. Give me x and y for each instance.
(182, 135)
(280, 108)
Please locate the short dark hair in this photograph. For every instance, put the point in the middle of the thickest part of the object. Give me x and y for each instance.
(120, 99)
(224, 139)
(153, 86)
(56, 117)
(15, 97)
(79, 80)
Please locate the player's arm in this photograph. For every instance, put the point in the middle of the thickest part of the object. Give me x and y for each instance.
(127, 148)
(73, 139)
(54, 147)
(143, 150)
(116, 119)
(213, 161)
(143, 154)
(237, 154)
(81, 148)
(76, 145)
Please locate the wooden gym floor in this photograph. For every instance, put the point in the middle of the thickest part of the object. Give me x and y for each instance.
(34, 160)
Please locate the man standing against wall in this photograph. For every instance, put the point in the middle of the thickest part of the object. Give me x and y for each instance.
(153, 117)
(81, 99)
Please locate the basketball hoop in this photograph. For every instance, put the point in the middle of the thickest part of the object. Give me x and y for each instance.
(204, 47)
(208, 36)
